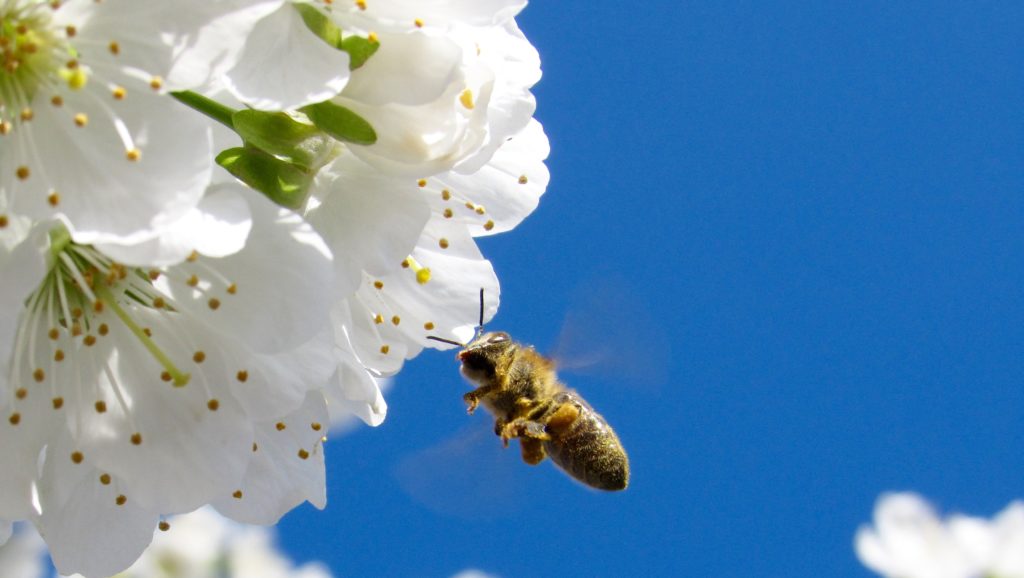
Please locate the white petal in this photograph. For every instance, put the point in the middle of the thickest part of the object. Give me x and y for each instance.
(354, 391)
(6, 528)
(23, 252)
(188, 42)
(400, 14)
(217, 227)
(502, 193)
(85, 528)
(281, 281)
(266, 76)
(287, 467)
(370, 221)
(188, 451)
(104, 196)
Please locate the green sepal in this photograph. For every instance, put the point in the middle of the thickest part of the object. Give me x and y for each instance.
(341, 123)
(319, 24)
(281, 181)
(283, 136)
(359, 50)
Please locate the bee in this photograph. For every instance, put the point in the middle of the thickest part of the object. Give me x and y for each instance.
(521, 389)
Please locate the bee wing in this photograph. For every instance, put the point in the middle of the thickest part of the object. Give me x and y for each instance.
(461, 475)
(610, 333)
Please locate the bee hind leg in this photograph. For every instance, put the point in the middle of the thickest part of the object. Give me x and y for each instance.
(524, 429)
(532, 450)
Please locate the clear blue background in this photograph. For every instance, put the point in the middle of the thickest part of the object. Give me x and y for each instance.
(821, 205)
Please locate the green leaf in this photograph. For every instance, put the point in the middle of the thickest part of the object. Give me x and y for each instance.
(281, 181)
(279, 134)
(341, 123)
(319, 24)
(359, 50)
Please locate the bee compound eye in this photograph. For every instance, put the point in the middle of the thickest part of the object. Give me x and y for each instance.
(498, 338)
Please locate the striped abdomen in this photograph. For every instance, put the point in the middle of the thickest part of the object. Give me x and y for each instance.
(587, 449)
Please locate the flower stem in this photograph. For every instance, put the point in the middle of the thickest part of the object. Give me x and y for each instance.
(180, 378)
(211, 108)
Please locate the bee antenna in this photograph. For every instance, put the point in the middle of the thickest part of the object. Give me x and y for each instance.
(443, 340)
(480, 327)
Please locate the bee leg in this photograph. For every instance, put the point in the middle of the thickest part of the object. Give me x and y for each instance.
(563, 417)
(533, 450)
(499, 426)
(524, 429)
(473, 397)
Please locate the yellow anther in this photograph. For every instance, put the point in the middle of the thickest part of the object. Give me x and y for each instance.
(303, 454)
(133, 154)
(466, 98)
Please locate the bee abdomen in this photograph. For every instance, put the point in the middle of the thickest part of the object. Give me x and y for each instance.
(589, 450)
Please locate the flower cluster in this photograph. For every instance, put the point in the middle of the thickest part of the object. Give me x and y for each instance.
(910, 541)
(222, 223)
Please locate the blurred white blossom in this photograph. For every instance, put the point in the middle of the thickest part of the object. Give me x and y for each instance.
(909, 540)
(22, 556)
(203, 544)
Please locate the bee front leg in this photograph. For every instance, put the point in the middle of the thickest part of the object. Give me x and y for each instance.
(472, 398)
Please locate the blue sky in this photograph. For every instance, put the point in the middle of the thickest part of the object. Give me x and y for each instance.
(820, 205)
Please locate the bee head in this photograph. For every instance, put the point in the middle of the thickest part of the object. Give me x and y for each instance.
(481, 356)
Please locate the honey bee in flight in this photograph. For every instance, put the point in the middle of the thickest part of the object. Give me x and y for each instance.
(520, 388)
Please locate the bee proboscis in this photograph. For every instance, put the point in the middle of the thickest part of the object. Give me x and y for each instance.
(521, 389)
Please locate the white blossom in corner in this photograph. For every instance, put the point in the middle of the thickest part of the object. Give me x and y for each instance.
(85, 122)
(131, 391)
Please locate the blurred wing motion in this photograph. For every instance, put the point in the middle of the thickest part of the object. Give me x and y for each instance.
(463, 475)
(610, 333)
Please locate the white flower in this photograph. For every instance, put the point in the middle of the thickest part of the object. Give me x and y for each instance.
(203, 544)
(441, 94)
(910, 541)
(85, 124)
(134, 392)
